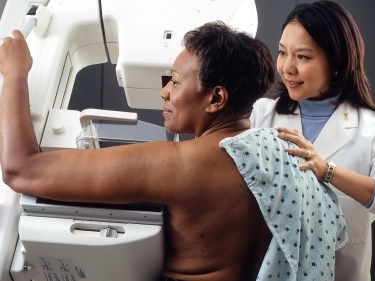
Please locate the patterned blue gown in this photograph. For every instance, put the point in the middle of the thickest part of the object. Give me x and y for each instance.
(302, 213)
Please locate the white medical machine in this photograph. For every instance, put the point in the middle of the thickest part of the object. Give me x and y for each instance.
(44, 240)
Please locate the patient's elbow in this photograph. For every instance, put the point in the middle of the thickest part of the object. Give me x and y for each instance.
(11, 177)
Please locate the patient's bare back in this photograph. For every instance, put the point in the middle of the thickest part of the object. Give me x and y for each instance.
(215, 230)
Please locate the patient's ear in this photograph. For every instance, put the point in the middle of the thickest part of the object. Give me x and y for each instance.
(218, 99)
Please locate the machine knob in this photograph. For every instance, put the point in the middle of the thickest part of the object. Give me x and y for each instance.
(108, 232)
(58, 127)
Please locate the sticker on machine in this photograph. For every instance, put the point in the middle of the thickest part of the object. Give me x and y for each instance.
(56, 269)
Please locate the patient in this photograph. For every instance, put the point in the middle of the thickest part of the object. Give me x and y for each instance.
(230, 194)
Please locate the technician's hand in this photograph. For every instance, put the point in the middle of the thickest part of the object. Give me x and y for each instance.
(306, 150)
(15, 58)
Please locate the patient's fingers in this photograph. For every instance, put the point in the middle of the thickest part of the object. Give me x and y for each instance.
(15, 57)
(18, 35)
(6, 40)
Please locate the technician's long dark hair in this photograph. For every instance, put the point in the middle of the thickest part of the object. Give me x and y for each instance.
(333, 28)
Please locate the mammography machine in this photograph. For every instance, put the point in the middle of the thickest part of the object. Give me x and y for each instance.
(46, 240)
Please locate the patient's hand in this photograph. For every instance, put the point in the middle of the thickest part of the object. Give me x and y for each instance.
(306, 150)
(15, 57)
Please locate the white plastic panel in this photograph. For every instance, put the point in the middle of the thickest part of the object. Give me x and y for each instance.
(78, 250)
(149, 35)
(9, 217)
(73, 41)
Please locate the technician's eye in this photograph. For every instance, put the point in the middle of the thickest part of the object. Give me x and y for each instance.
(303, 57)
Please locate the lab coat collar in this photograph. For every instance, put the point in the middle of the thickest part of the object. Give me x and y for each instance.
(290, 121)
(335, 133)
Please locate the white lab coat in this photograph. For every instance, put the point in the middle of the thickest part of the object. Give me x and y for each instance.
(348, 139)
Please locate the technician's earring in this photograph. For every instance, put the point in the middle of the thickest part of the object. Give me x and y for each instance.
(335, 73)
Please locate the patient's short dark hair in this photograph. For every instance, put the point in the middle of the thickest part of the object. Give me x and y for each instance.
(234, 60)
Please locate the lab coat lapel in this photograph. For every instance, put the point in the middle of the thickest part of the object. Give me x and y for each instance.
(334, 134)
(289, 121)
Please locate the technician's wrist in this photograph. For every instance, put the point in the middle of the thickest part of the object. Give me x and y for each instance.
(329, 171)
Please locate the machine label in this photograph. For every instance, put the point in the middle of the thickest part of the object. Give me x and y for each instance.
(56, 269)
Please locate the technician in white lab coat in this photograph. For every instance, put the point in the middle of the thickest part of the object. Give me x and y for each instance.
(326, 103)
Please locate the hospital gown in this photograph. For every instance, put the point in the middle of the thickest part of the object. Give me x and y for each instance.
(302, 213)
